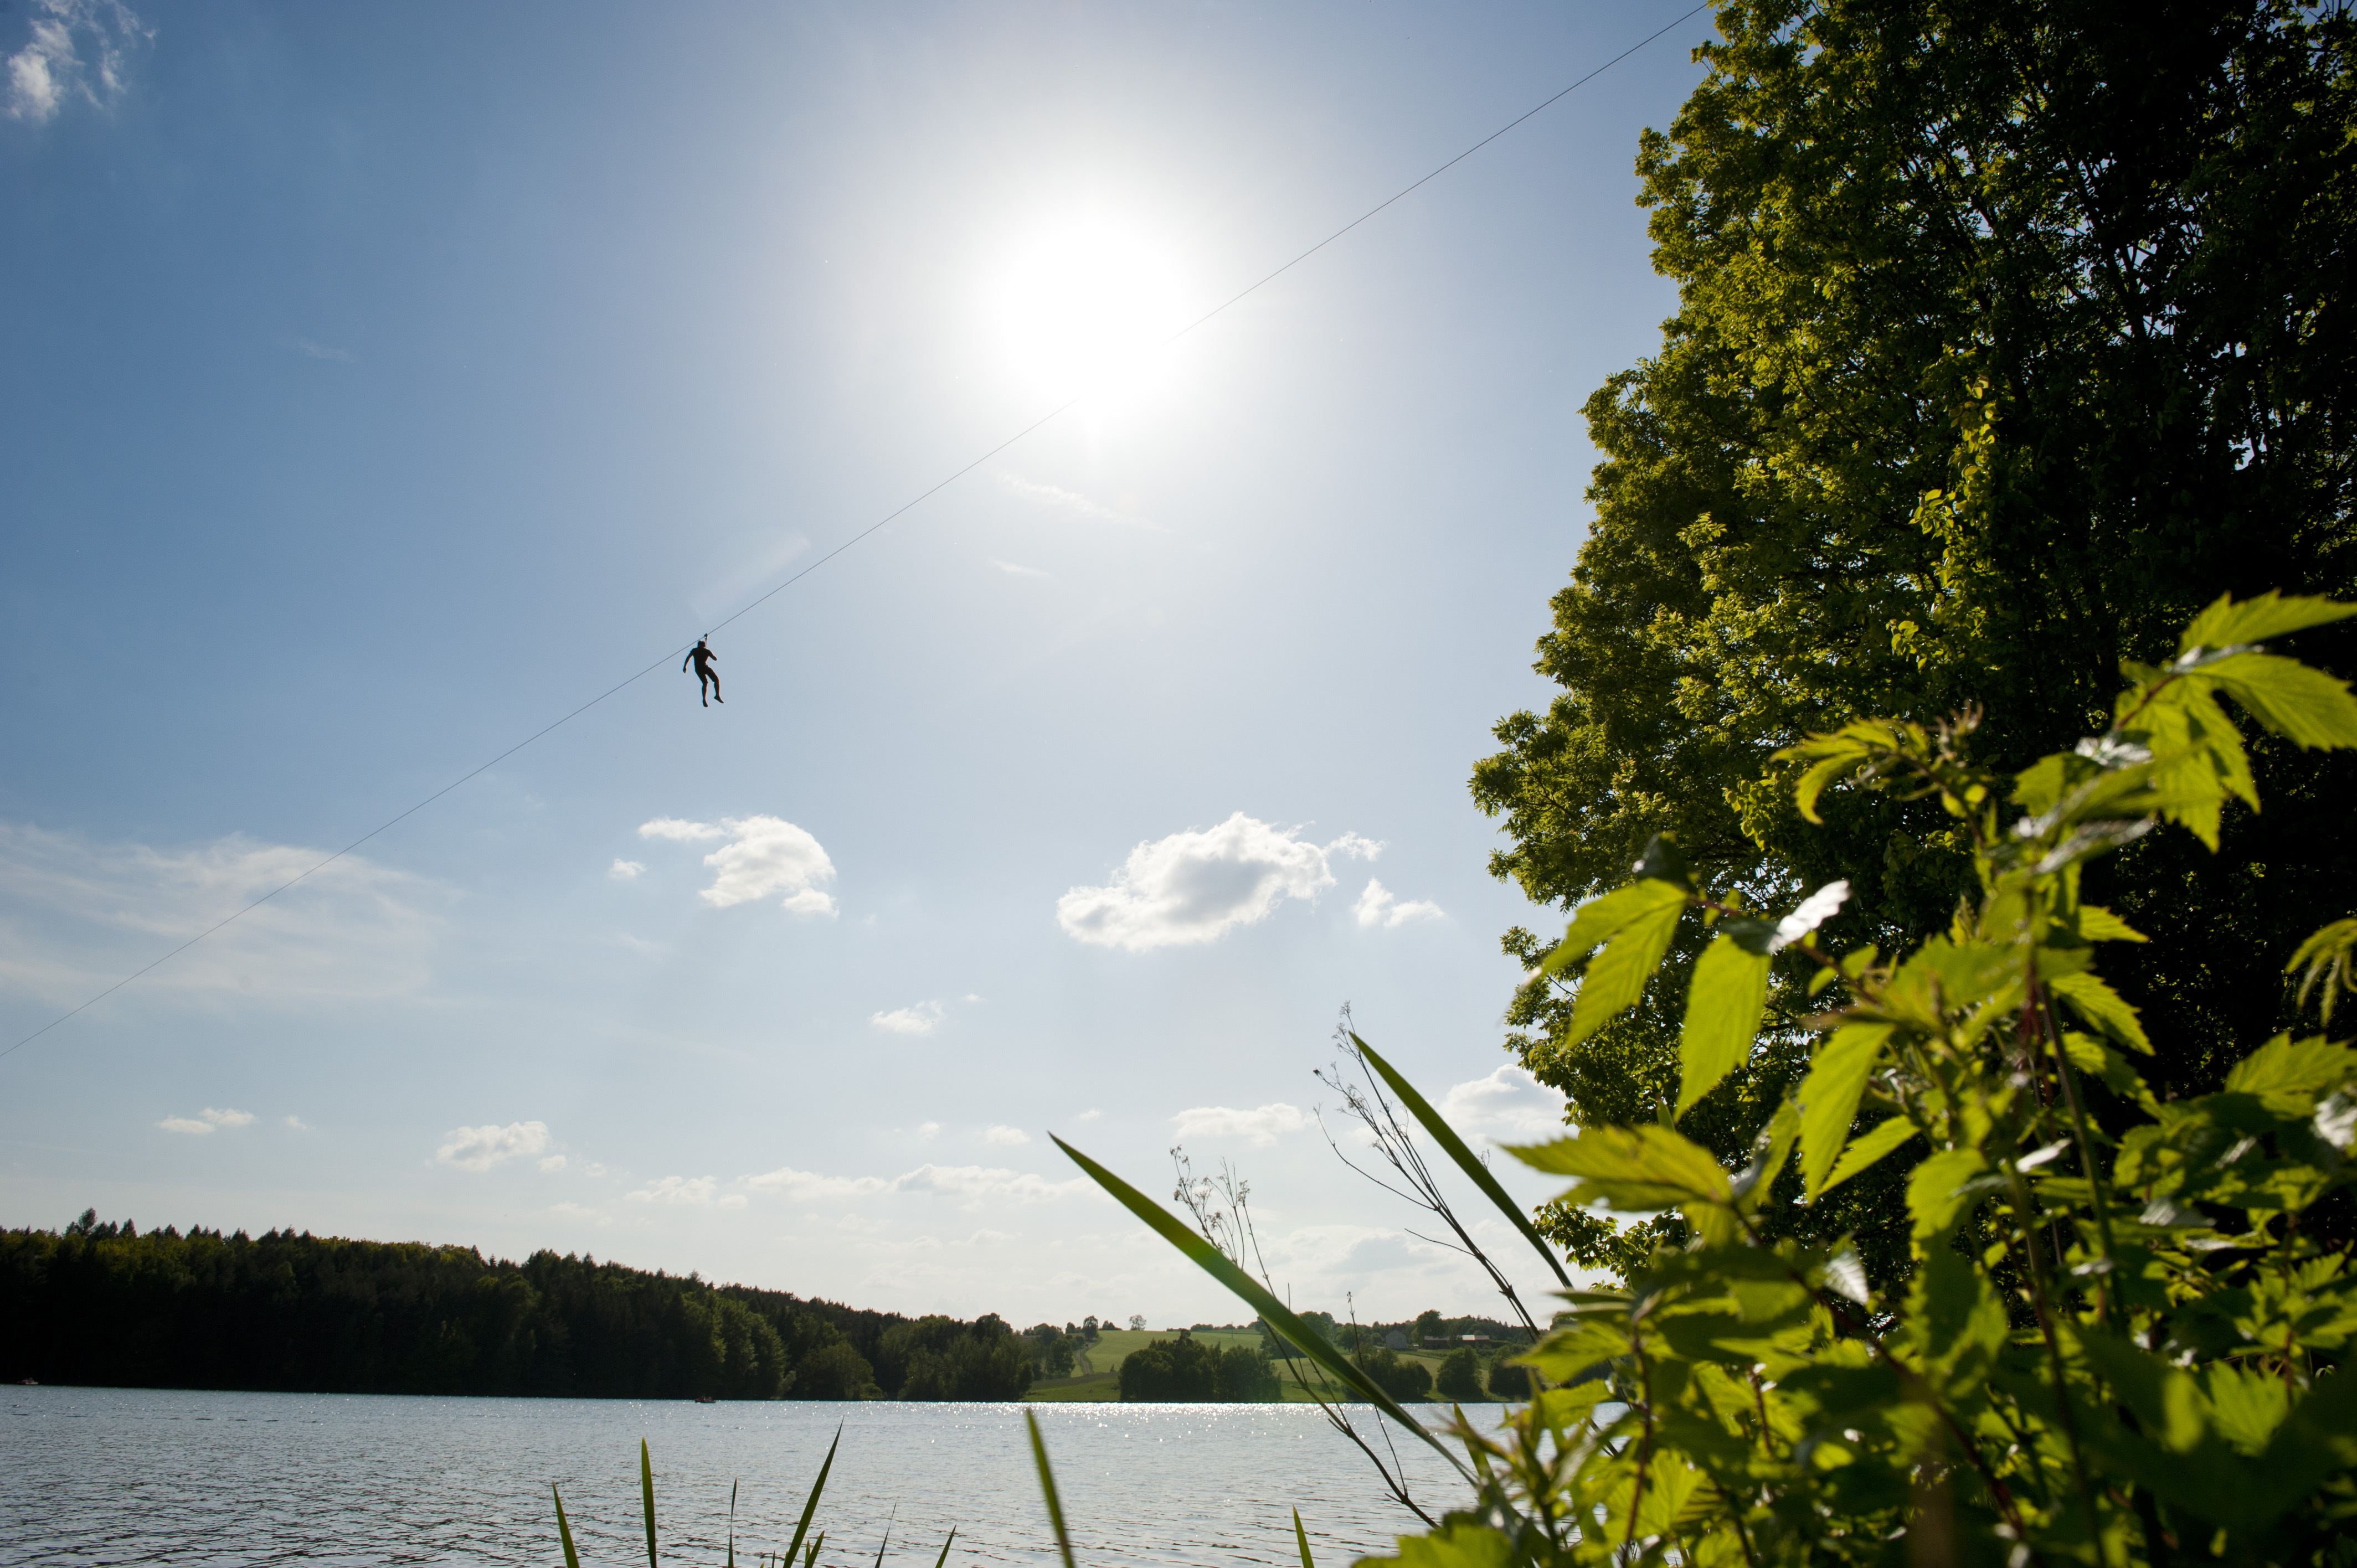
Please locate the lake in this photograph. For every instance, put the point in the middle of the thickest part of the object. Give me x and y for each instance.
(123, 1476)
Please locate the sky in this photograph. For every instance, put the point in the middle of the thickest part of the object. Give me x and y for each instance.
(386, 383)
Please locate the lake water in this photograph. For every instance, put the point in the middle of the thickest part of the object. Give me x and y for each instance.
(123, 1476)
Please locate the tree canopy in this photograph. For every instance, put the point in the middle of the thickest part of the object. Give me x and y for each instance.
(2008, 335)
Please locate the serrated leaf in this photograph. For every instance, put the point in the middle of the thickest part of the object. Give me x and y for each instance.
(1723, 1008)
(1866, 1148)
(1631, 1168)
(2295, 1068)
(2225, 623)
(2098, 924)
(1600, 919)
(2093, 1056)
(1829, 1096)
(1942, 1188)
(1616, 979)
(2306, 706)
(2094, 1000)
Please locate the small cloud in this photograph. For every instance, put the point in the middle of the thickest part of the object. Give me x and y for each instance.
(1260, 1127)
(694, 1192)
(554, 1164)
(580, 1211)
(971, 996)
(1507, 1104)
(626, 870)
(49, 69)
(765, 855)
(1012, 570)
(918, 1019)
(1197, 886)
(927, 1132)
(1377, 906)
(1356, 846)
(315, 350)
(1089, 1115)
(1074, 504)
(481, 1148)
(207, 1119)
(298, 1124)
(1006, 1135)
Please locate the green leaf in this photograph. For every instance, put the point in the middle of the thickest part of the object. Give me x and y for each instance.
(2097, 924)
(1631, 1168)
(1215, 1262)
(1048, 1486)
(1445, 1136)
(1829, 1096)
(1300, 1539)
(810, 1504)
(2295, 1069)
(1942, 1188)
(2094, 1000)
(2226, 623)
(1866, 1149)
(2090, 1056)
(1600, 919)
(563, 1530)
(1723, 1008)
(2306, 706)
(647, 1495)
(944, 1559)
(1616, 979)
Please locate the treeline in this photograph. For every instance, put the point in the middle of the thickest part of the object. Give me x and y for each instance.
(104, 1304)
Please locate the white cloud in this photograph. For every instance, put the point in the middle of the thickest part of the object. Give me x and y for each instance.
(76, 917)
(316, 350)
(1012, 570)
(765, 855)
(917, 1019)
(1073, 504)
(1506, 1104)
(1006, 1135)
(626, 870)
(50, 68)
(1377, 906)
(927, 1132)
(551, 1164)
(973, 1186)
(694, 1192)
(1089, 1115)
(208, 1119)
(298, 1124)
(1197, 886)
(481, 1148)
(1261, 1126)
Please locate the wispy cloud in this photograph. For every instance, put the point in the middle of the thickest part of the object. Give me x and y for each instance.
(311, 348)
(77, 916)
(626, 870)
(51, 68)
(971, 1185)
(765, 855)
(481, 1148)
(1012, 570)
(1197, 886)
(1506, 1104)
(1259, 1127)
(206, 1121)
(916, 1019)
(1055, 498)
(1377, 906)
(1006, 1135)
(691, 1192)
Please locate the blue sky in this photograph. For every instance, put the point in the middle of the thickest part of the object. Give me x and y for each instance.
(385, 383)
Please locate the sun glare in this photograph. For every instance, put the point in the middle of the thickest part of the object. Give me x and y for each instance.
(1085, 303)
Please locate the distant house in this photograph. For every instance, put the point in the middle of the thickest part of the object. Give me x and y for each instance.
(1451, 1341)
(1395, 1341)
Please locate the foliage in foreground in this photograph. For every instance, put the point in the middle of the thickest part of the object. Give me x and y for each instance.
(2104, 1347)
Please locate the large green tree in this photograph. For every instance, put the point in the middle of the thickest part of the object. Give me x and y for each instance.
(2008, 335)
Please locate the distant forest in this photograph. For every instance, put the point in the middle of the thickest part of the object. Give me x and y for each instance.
(102, 1303)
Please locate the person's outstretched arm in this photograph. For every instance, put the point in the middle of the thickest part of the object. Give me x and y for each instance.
(684, 662)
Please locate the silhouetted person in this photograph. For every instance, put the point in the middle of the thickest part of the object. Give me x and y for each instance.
(706, 678)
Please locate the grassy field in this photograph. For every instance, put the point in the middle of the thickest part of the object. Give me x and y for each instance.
(1098, 1376)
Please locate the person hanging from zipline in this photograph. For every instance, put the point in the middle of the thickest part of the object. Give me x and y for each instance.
(708, 680)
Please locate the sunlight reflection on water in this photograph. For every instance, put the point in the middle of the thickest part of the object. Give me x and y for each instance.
(127, 1475)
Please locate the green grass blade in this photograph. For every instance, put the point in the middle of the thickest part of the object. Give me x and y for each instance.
(1445, 1136)
(811, 1507)
(1300, 1539)
(1212, 1262)
(647, 1496)
(944, 1557)
(563, 1530)
(1048, 1486)
(885, 1544)
(732, 1524)
(810, 1558)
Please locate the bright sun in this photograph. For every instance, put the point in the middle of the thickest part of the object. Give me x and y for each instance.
(1084, 301)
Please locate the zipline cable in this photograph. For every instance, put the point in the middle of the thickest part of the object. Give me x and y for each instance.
(1049, 417)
